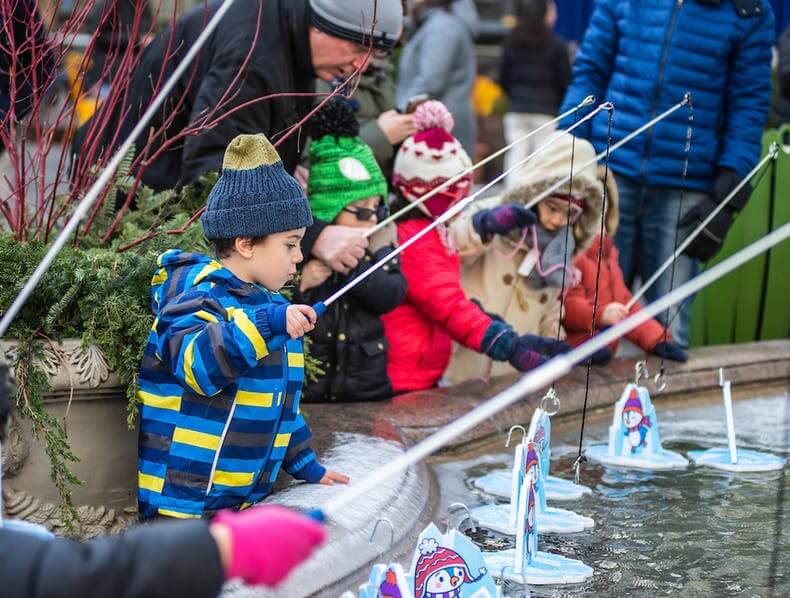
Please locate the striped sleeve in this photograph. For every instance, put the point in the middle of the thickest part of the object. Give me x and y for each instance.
(207, 346)
(300, 461)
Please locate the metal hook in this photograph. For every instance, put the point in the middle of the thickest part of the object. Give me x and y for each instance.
(577, 465)
(376, 527)
(502, 573)
(462, 506)
(551, 395)
(510, 433)
(660, 380)
(640, 371)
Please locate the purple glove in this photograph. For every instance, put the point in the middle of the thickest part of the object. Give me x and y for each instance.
(502, 220)
(268, 542)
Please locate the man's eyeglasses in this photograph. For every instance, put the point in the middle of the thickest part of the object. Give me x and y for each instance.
(365, 214)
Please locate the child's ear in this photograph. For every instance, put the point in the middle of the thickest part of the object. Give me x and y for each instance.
(243, 246)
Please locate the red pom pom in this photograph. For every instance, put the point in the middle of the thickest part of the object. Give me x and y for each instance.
(433, 115)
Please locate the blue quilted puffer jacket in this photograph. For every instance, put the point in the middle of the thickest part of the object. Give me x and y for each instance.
(643, 55)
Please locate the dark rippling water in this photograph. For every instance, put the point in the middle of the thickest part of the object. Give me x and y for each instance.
(698, 532)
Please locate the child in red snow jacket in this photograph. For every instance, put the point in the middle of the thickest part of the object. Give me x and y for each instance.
(436, 310)
(613, 295)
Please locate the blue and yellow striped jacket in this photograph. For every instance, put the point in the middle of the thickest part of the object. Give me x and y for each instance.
(219, 413)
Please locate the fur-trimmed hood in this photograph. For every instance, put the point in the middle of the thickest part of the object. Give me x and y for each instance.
(552, 165)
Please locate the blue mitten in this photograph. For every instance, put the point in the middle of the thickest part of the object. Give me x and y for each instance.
(502, 220)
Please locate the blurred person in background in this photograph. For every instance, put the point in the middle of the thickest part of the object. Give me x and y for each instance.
(534, 72)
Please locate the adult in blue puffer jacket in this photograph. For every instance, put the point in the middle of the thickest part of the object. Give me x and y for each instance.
(643, 56)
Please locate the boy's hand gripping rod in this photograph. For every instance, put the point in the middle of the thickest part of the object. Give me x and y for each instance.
(321, 306)
(104, 178)
(392, 217)
(686, 101)
(545, 375)
(773, 153)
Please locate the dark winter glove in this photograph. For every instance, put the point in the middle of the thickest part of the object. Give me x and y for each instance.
(501, 220)
(670, 351)
(711, 238)
(501, 343)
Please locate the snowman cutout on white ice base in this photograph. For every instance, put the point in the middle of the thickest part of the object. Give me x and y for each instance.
(525, 564)
(732, 458)
(449, 566)
(503, 518)
(634, 440)
(499, 483)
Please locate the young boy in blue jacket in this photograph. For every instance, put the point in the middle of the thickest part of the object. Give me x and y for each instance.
(219, 409)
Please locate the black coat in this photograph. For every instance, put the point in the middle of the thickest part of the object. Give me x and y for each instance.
(167, 560)
(781, 107)
(349, 338)
(280, 62)
(535, 78)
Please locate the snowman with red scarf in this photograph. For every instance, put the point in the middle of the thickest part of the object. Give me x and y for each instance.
(441, 572)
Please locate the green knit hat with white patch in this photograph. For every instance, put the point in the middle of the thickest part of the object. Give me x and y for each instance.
(342, 166)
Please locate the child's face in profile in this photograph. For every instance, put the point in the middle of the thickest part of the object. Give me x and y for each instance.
(272, 261)
(553, 214)
(360, 214)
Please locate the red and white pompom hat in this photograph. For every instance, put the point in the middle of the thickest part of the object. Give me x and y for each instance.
(429, 158)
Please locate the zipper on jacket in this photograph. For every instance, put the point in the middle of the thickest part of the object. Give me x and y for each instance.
(219, 448)
(659, 81)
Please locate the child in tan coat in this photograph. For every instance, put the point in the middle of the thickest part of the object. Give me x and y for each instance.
(501, 268)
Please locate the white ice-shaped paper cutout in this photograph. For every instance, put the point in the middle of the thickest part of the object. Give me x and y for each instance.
(634, 438)
(526, 564)
(503, 518)
(500, 483)
(449, 564)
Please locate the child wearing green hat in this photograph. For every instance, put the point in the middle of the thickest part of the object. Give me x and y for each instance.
(219, 404)
(346, 187)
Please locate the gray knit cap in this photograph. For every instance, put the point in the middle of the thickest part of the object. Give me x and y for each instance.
(254, 196)
(352, 19)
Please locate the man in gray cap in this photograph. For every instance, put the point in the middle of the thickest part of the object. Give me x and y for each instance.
(289, 43)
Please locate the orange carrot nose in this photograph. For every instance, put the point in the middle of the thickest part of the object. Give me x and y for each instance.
(453, 581)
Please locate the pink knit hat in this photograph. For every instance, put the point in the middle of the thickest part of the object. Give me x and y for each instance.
(429, 158)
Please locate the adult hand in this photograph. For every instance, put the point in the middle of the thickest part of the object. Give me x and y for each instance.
(314, 273)
(613, 313)
(501, 220)
(302, 176)
(340, 247)
(396, 126)
(711, 238)
(386, 237)
(261, 545)
(300, 319)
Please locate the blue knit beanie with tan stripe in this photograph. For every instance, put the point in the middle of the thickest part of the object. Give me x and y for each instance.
(254, 196)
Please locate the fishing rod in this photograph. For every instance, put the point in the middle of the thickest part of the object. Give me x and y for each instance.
(589, 100)
(321, 306)
(686, 101)
(93, 193)
(773, 153)
(546, 374)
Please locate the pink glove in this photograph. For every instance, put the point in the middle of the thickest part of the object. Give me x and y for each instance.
(267, 542)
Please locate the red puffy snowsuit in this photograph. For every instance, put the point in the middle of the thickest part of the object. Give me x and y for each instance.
(436, 311)
(612, 288)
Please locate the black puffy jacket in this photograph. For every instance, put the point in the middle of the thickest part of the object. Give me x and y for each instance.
(535, 77)
(167, 560)
(349, 338)
(280, 62)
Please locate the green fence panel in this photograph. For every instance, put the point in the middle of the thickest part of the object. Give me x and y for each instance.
(776, 308)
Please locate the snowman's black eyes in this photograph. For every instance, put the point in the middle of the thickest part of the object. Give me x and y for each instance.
(441, 579)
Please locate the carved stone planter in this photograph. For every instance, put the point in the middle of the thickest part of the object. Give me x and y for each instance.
(89, 399)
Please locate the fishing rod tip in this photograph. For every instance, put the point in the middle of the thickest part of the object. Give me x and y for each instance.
(773, 150)
(590, 99)
(607, 106)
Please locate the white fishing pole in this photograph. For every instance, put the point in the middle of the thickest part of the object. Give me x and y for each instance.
(546, 374)
(772, 154)
(635, 133)
(420, 200)
(321, 306)
(93, 193)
